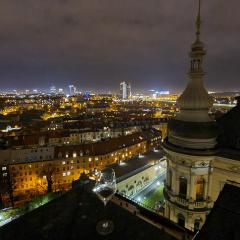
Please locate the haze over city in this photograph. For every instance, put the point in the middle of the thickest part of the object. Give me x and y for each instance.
(97, 44)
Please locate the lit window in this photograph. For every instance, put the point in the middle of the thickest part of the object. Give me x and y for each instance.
(4, 168)
(71, 161)
(112, 154)
(90, 159)
(44, 177)
(139, 144)
(63, 162)
(64, 174)
(4, 174)
(96, 158)
(74, 154)
(68, 173)
(30, 166)
(66, 155)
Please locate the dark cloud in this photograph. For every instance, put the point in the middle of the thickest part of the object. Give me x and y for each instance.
(96, 44)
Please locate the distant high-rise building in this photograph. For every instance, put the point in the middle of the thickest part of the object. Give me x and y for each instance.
(125, 90)
(53, 89)
(60, 90)
(72, 89)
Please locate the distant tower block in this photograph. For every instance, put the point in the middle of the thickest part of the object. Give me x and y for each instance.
(125, 90)
(72, 90)
(53, 89)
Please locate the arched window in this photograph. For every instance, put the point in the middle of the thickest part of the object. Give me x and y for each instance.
(181, 220)
(197, 224)
(200, 185)
(131, 190)
(183, 187)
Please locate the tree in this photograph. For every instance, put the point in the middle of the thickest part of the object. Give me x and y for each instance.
(6, 187)
(48, 170)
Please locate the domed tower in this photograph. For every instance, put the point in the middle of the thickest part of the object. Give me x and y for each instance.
(190, 147)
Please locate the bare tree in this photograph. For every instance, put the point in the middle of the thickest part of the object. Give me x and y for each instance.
(47, 171)
(7, 184)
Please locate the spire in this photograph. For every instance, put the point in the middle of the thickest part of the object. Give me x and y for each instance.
(195, 97)
(192, 127)
(198, 21)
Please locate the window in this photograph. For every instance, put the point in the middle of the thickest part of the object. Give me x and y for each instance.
(74, 154)
(183, 187)
(197, 224)
(4, 168)
(181, 220)
(63, 162)
(200, 185)
(64, 174)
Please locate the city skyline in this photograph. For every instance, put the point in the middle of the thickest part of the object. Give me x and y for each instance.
(92, 45)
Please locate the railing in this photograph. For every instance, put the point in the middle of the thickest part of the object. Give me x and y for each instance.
(182, 201)
(200, 204)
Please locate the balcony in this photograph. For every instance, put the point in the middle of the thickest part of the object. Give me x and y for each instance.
(182, 201)
(186, 203)
(201, 204)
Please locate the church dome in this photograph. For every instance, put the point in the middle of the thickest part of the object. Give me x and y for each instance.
(195, 96)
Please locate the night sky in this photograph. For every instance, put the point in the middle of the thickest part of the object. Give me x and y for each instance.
(96, 44)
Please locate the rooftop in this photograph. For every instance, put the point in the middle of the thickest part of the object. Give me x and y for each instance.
(74, 216)
(136, 164)
(223, 222)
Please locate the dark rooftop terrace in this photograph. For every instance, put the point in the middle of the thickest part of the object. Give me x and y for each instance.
(223, 222)
(74, 216)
